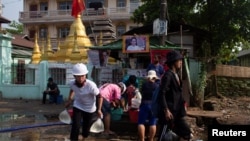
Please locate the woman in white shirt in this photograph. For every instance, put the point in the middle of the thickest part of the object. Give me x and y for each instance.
(133, 45)
(84, 93)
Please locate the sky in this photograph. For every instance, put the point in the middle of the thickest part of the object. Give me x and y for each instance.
(11, 9)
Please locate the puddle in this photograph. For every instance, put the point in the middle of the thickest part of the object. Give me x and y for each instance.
(11, 122)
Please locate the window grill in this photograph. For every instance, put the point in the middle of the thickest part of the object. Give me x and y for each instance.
(58, 75)
(22, 75)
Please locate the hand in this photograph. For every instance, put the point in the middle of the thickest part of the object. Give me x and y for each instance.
(168, 115)
(113, 104)
(100, 114)
(67, 104)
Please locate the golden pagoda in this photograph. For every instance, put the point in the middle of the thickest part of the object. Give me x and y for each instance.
(77, 33)
(36, 56)
(48, 53)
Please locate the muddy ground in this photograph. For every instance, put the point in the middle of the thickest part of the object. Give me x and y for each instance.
(25, 113)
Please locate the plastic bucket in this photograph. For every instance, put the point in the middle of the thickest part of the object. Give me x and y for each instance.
(116, 114)
(70, 111)
(133, 116)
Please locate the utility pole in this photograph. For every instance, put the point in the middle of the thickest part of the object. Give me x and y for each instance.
(163, 11)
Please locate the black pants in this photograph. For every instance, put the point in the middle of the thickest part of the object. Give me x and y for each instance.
(54, 95)
(84, 119)
(179, 126)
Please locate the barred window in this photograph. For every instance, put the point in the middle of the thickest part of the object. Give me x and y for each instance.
(120, 30)
(43, 32)
(22, 75)
(19, 72)
(44, 6)
(58, 75)
(63, 32)
(121, 3)
(64, 5)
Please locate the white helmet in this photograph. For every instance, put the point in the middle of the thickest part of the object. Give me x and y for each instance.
(79, 69)
(123, 86)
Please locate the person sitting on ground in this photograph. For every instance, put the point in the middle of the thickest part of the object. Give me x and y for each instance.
(52, 89)
(110, 95)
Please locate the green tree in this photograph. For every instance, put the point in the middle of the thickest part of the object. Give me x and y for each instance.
(226, 20)
(15, 28)
(228, 24)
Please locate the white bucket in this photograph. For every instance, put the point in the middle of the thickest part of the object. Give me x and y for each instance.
(65, 117)
(97, 126)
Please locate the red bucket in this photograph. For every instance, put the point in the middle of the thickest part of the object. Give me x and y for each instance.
(133, 116)
(70, 111)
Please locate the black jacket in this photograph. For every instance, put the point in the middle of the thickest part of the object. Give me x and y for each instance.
(170, 95)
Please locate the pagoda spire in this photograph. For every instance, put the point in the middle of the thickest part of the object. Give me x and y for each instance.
(36, 56)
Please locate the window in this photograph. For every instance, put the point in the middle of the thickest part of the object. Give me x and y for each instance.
(134, 4)
(43, 32)
(95, 5)
(44, 6)
(58, 75)
(120, 29)
(63, 32)
(64, 5)
(18, 72)
(32, 33)
(121, 3)
(88, 30)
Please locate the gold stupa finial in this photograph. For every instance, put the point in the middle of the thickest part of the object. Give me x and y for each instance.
(49, 49)
(48, 53)
(36, 56)
(36, 46)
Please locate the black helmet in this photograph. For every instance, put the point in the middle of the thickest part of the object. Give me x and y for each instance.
(173, 56)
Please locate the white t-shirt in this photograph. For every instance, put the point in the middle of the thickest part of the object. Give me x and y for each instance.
(134, 48)
(85, 97)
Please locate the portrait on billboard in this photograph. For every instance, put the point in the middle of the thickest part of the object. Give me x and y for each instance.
(135, 44)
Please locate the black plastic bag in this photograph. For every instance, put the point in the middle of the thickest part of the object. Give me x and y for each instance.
(168, 135)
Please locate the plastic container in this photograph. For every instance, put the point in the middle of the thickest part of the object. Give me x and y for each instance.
(59, 99)
(116, 114)
(133, 115)
(70, 111)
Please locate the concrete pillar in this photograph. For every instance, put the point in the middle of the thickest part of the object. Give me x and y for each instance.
(5, 58)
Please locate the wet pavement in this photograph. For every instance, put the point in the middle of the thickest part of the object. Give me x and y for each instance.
(29, 120)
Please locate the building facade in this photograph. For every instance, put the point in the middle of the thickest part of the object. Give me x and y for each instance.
(53, 17)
